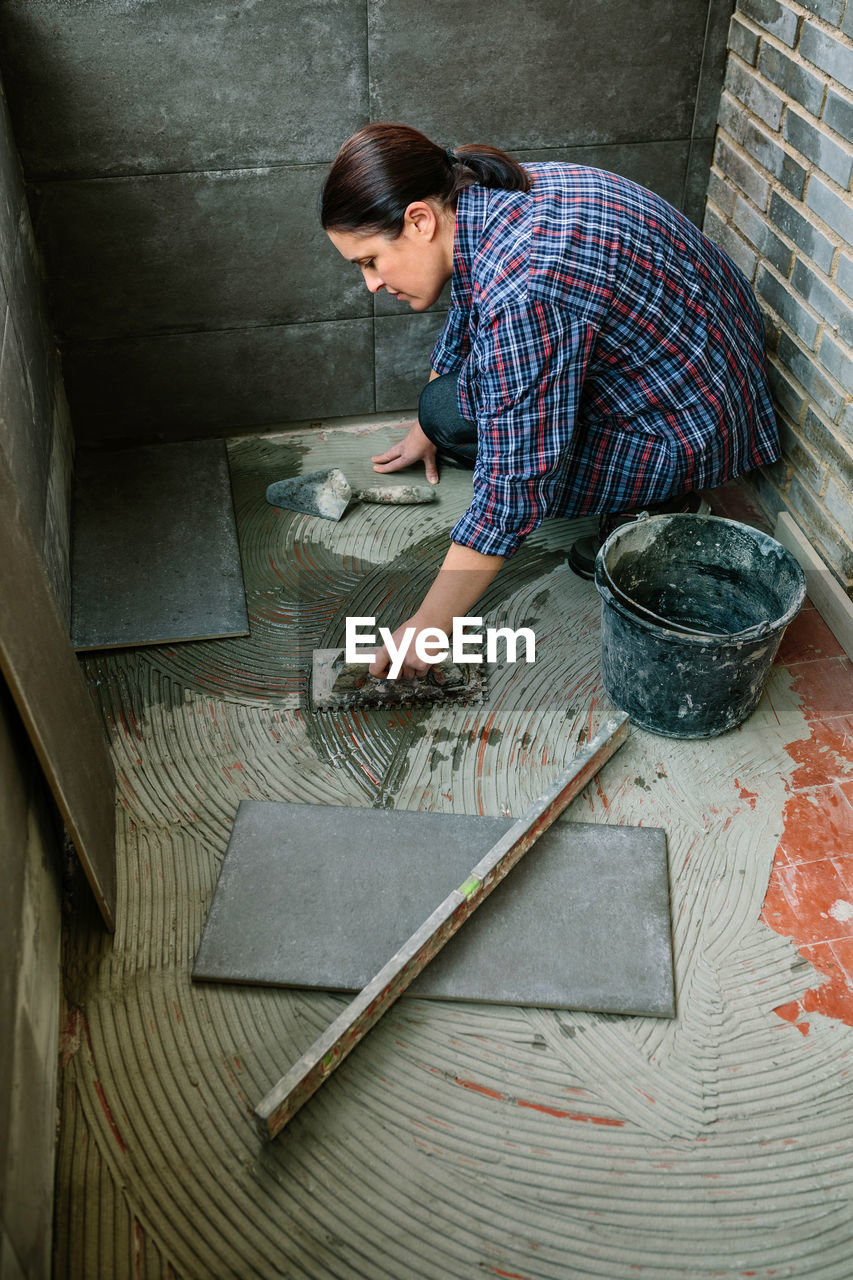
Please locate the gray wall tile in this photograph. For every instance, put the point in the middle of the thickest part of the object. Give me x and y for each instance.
(545, 74)
(660, 166)
(403, 347)
(744, 42)
(11, 195)
(170, 252)
(109, 87)
(713, 67)
(829, 52)
(188, 386)
(791, 77)
(383, 305)
(223, 114)
(838, 114)
(29, 1001)
(696, 182)
(805, 237)
(24, 442)
(777, 18)
(28, 376)
(28, 302)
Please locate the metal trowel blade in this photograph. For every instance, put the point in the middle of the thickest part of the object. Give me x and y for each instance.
(319, 493)
(338, 685)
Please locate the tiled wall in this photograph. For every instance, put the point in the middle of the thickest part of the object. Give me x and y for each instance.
(35, 427)
(35, 443)
(175, 154)
(780, 203)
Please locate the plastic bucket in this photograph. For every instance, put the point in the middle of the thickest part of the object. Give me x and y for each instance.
(693, 610)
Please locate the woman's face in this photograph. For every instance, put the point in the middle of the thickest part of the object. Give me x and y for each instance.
(414, 266)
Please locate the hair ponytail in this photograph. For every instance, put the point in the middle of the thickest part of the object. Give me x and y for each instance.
(487, 167)
(383, 168)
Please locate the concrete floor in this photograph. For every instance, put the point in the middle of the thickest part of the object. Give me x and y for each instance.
(461, 1141)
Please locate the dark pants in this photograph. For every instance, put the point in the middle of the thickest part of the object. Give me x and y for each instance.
(441, 422)
(456, 440)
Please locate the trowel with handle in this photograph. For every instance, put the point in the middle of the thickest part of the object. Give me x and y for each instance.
(328, 493)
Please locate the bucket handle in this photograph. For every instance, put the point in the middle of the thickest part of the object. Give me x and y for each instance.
(755, 632)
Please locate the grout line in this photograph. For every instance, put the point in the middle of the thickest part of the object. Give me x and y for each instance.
(702, 61)
(66, 341)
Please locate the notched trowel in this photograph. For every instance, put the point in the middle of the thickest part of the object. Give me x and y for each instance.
(328, 493)
(339, 685)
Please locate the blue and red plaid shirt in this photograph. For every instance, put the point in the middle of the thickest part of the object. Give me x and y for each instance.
(609, 353)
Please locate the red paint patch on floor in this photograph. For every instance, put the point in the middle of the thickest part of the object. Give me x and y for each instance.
(826, 755)
(818, 824)
(481, 1088)
(750, 796)
(105, 1106)
(810, 894)
(583, 1117)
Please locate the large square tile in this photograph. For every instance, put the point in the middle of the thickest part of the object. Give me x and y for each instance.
(403, 348)
(186, 386)
(193, 251)
(541, 74)
(101, 88)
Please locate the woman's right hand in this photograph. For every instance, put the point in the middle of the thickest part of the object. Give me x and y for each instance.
(414, 447)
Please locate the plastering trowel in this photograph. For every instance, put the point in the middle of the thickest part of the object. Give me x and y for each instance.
(328, 494)
(340, 685)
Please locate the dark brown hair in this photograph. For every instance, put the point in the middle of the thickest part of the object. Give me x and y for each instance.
(381, 169)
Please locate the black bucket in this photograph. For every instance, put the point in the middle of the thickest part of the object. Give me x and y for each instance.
(693, 610)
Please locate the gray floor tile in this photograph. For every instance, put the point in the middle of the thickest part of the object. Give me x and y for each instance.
(154, 548)
(322, 896)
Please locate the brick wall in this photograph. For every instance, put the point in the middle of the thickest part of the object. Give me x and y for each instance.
(779, 202)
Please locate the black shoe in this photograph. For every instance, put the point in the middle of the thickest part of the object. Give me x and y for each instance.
(583, 552)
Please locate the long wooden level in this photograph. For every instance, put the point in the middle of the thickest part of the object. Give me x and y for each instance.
(341, 1036)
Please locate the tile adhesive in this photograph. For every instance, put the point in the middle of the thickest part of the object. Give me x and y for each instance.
(457, 1140)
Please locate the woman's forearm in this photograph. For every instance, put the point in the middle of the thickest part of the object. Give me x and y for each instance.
(461, 580)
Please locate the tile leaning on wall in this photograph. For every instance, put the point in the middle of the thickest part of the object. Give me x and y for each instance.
(175, 156)
(780, 203)
(35, 426)
(36, 446)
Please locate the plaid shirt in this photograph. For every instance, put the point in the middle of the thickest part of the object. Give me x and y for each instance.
(609, 353)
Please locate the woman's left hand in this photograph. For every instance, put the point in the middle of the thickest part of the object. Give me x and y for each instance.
(414, 447)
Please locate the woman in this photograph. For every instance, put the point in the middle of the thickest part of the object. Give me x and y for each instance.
(600, 354)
